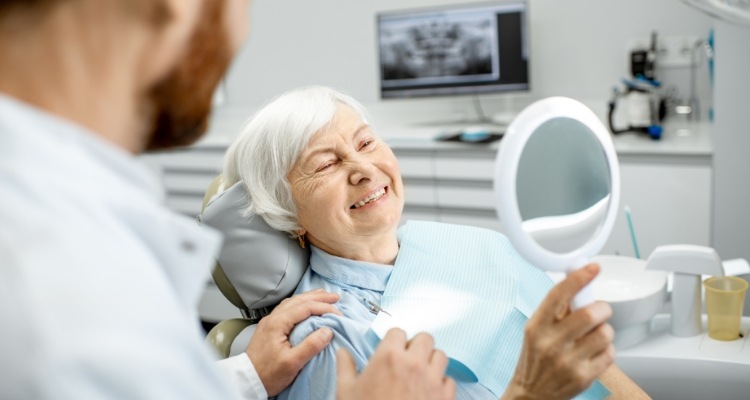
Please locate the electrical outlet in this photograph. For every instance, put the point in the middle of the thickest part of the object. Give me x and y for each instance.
(671, 51)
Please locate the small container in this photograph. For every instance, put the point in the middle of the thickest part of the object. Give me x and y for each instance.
(725, 296)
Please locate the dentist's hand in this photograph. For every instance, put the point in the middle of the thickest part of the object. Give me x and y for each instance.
(273, 357)
(397, 370)
(564, 351)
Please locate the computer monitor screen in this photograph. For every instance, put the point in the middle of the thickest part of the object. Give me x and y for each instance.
(453, 50)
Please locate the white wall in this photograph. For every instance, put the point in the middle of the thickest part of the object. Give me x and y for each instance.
(731, 139)
(577, 49)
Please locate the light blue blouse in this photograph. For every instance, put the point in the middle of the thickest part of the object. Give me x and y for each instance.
(357, 283)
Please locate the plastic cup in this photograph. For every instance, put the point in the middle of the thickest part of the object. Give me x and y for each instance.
(725, 296)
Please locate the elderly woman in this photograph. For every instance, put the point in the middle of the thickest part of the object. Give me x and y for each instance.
(316, 169)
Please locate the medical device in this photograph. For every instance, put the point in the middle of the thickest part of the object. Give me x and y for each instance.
(645, 104)
(453, 50)
(645, 107)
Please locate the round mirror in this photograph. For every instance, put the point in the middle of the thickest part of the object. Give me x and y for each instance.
(557, 185)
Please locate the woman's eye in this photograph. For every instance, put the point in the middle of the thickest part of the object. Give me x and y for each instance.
(365, 144)
(324, 167)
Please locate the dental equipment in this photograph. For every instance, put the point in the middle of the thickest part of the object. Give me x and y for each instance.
(687, 263)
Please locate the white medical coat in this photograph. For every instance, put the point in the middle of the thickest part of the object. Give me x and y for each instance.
(99, 282)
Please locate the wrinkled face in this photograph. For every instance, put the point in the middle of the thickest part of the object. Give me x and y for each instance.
(346, 185)
(181, 104)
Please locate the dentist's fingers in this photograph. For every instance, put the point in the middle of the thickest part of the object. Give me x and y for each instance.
(313, 344)
(421, 346)
(346, 375)
(395, 337)
(438, 362)
(399, 369)
(276, 361)
(316, 302)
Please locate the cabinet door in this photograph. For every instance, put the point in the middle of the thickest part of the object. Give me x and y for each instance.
(670, 204)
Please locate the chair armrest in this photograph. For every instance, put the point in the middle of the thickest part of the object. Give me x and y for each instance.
(223, 334)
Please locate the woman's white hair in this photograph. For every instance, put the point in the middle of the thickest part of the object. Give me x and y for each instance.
(269, 144)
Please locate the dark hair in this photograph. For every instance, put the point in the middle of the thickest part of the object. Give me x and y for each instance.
(15, 14)
(154, 11)
(7, 6)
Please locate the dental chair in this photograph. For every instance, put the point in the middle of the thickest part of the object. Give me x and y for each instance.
(256, 269)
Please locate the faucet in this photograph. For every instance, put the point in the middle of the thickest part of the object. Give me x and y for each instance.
(687, 263)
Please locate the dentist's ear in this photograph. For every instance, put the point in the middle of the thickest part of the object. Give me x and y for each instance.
(171, 24)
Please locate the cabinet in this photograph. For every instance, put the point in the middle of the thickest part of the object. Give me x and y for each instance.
(669, 195)
(447, 182)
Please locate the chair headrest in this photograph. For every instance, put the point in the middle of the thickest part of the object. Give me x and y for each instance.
(263, 264)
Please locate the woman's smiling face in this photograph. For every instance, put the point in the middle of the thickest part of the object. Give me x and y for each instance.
(347, 186)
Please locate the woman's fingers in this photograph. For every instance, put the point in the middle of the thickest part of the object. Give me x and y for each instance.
(565, 351)
(557, 303)
(594, 343)
(584, 320)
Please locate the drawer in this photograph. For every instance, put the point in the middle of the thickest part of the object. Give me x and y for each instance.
(420, 192)
(463, 195)
(465, 165)
(415, 164)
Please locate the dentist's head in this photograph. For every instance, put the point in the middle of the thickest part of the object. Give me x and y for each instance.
(141, 73)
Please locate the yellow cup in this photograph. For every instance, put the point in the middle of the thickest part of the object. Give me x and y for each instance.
(725, 296)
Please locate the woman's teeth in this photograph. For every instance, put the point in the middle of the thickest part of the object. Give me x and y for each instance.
(371, 198)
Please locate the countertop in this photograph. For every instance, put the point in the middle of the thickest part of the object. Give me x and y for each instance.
(680, 137)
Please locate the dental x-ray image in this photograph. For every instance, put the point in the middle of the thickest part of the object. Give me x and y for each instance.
(439, 48)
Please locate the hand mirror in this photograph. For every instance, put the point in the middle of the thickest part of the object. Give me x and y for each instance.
(557, 186)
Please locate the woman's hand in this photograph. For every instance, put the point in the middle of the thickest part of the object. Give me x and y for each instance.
(564, 351)
(398, 369)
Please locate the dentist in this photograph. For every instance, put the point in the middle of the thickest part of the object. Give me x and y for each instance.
(99, 281)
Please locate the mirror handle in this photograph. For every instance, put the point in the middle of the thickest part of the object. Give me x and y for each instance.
(584, 297)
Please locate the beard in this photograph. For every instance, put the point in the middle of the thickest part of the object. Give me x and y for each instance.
(180, 104)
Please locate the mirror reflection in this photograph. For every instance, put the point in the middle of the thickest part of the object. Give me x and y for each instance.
(563, 185)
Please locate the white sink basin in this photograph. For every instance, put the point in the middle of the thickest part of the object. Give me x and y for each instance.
(636, 296)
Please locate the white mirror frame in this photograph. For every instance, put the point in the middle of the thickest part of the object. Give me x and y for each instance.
(506, 170)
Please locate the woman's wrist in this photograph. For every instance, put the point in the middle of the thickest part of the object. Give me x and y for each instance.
(516, 391)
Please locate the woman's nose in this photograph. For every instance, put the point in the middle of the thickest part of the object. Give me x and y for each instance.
(360, 171)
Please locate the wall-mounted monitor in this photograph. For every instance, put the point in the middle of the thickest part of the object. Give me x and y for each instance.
(453, 50)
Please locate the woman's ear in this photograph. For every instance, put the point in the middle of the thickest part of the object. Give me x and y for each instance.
(301, 238)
